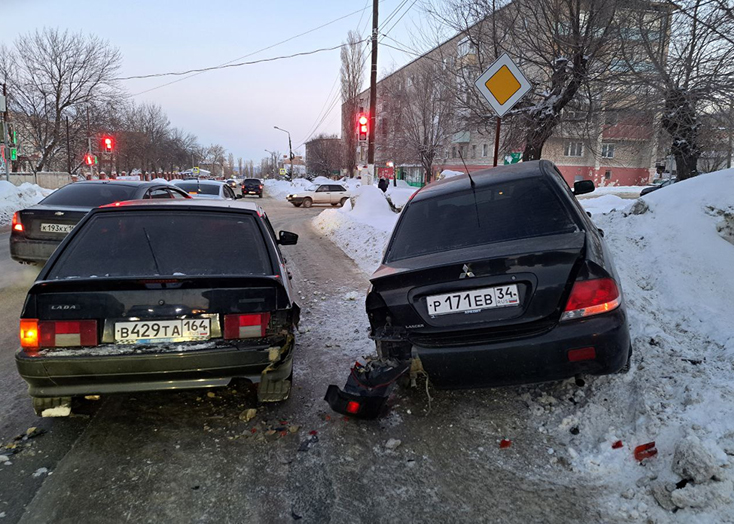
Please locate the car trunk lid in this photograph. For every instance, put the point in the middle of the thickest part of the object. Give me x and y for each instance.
(50, 222)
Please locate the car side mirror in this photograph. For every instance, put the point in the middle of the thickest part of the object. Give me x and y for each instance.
(286, 238)
(582, 187)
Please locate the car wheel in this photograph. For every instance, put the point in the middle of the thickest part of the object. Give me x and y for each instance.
(297, 205)
(335, 204)
(343, 201)
(260, 195)
(41, 404)
(307, 202)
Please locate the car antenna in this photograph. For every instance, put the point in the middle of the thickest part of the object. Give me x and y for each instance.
(473, 188)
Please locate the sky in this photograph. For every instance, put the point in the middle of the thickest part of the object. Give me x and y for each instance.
(235, 107)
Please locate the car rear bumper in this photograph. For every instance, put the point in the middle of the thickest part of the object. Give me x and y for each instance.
(539, 358)
(32, 251)
(251, 191)
(89, 374)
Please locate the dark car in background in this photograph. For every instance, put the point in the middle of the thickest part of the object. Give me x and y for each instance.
(252, 186)
(160, 295)
(657, 184)
(38, 230)
(497, 279)
(206, 189)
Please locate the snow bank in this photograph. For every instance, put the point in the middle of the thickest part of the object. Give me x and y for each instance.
(361, 231)
(605, 204)
(400, 195)
(14, 198)
(281, 188)
(448, 173)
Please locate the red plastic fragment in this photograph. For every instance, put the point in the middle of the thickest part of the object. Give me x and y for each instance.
(644, 451)
(505, 443)
(253, 430)
(618, 444)
(313, 432)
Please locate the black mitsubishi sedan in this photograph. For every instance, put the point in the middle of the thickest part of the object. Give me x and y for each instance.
(154, 295)
(37, 231)
(500, 278)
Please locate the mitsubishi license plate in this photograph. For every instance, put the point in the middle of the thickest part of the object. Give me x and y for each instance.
(473, 300)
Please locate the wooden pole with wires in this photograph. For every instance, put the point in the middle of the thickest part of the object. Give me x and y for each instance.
(373, 96)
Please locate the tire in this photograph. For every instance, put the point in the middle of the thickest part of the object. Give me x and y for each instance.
(626, 368)
(296, 205)
(307, 202)
(334, 205)
(343, 201)
(260, 195)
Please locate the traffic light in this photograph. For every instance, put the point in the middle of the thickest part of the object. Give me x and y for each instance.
(89, 159)
(362, 126)
(108, 144)
(13, 154)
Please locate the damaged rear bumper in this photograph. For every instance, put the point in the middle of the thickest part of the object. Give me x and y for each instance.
(92, 373)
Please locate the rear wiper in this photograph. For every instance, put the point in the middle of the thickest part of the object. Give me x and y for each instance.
(473, 186)
(150, 245)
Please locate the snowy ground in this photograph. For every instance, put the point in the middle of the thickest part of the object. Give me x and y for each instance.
(14, 198)
(674, 250)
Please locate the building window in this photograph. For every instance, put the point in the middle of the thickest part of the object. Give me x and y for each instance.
(607, 150)
(466, 47)
(574, 149)
(453, 152)
(484, 149)
(474, 151)
(607, 175)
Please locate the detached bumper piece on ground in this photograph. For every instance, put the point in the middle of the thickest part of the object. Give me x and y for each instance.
(367, 389)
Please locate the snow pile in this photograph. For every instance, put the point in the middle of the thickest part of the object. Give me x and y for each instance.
(400, 195)
(604, 204)
(281, 188)
(362, 230)
(14, 198)
(448, 173)
(675, 255)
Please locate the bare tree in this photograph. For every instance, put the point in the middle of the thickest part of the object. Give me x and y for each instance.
(52, 75)
(421, 116)
(324, 155)
(352, 73)
(693, 76)
(565, 47)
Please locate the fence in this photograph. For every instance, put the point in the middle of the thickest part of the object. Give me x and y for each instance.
(47, 180)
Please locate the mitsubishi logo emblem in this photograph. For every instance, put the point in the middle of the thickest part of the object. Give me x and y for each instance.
(467, 272)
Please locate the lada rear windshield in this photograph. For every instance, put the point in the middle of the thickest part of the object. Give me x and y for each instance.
(149, 243)
(510, 211)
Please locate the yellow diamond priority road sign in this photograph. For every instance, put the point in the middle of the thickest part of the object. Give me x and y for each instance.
(503, 85)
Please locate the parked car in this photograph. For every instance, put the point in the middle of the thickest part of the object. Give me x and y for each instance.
(334, 194)
(38, 230)
(160, 295)
(657, 184)
(235, 186)
(206, 189)
(497, 279)
(252, 186)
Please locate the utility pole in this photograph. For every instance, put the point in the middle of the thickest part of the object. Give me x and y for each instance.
(373, 98)
(68, 148)
(3, 142)
(290, 150)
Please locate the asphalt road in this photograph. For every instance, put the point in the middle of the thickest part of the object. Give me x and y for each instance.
(190, 457)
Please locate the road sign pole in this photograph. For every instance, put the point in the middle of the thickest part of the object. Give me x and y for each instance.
(497, 140)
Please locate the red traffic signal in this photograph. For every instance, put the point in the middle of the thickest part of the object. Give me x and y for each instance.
(108, 144)
(362, 127)
(89, 159)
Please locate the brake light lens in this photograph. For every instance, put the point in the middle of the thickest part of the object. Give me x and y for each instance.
(17, 225)
(253, 325)
(29, 334)
(591, 297)
(352, 407)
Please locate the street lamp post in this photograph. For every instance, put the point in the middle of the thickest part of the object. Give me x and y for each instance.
(273, 164)
(290, 149)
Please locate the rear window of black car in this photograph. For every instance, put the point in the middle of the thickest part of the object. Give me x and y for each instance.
(149, 243)
(252, 181)
(200, 189)
(90, 195)
(511, 211)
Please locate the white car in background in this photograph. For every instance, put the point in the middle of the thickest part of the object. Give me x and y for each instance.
(332, 193)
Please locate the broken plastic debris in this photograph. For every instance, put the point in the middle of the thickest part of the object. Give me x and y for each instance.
(313, 432)
(248, 414)
(618, 444)
(91, 397)
(644, 451)
(393, 444)
(211, 394)
(505, 443)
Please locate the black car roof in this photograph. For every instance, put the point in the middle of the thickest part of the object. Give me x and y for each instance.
(486, 177)
(180, 204)
(133, 183)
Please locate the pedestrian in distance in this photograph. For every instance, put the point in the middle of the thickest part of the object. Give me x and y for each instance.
(382, 184)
